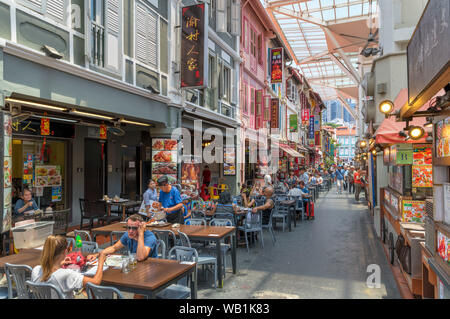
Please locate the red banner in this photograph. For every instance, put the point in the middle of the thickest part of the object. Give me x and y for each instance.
(45, 126)
(276, 65)
(103, 130)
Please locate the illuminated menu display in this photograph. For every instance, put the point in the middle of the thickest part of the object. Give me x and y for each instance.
(276, 65)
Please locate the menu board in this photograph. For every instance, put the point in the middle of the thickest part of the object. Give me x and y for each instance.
(190, 174)
(413, 211)
(47, 176)
(443, 138)
(443, 247)
(229, 161)
(164, 159)
(6, 196)
(422, 169)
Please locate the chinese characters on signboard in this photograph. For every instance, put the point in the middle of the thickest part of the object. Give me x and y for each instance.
(274, 109)
(276, 65)
(194, 37)
(311, 127)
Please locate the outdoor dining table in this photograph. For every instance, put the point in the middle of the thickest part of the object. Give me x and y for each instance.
(148, 278)
(198, 233)
(290, 203)
(123, 204)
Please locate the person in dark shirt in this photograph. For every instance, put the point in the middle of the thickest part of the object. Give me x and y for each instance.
(206, 175)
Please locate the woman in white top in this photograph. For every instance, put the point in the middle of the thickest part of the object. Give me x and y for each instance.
(50, 271)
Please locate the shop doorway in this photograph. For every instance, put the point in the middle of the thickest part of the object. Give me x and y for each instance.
(95, 185)
(131, 168)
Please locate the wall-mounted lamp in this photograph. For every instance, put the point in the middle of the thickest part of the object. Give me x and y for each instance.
(416, 132)
(386, 107)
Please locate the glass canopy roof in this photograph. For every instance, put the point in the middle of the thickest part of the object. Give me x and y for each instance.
(303, 24)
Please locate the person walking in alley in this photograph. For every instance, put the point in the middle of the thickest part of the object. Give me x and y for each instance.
(339, 179)
(358, 184)
(351, 184)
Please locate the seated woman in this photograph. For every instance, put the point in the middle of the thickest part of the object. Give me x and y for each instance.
(319, 179)
(245, 194)
(267, 207)
(67, 280)
(25, 204)
(256, 189)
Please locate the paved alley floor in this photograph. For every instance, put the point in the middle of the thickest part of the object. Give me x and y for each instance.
(322, 258)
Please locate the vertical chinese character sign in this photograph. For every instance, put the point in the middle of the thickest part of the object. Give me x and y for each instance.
(311, 127)
(276, 65)
(274, 110)
(194, 38)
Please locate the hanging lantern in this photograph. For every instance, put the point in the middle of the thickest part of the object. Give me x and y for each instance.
(45, 126)
(103, 131)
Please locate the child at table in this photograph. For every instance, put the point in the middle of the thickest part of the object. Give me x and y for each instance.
(186, 211)
(67, 280)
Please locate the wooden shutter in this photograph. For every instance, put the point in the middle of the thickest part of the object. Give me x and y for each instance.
(245, 98)
(260, 59)
(53, 9)
(113, 35)
(288, 89)
(146, 36)
(56, 9)
(259, 99)
(236, 17)
(221, 21)
(266, 105)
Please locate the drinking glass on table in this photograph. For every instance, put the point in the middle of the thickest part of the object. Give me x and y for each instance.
(133, 261)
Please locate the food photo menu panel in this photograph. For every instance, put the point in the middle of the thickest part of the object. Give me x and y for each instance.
(164, 159)
(422, 169)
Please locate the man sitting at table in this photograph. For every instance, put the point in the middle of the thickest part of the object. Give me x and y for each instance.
(25, 204)
(296, 191)
(170, 200)
(137, 240)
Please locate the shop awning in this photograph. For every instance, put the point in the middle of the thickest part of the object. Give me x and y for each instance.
(290, 151)
(387, 132)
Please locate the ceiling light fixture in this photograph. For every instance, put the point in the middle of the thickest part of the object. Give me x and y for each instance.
(135, 123)
(40, 105)
(92, 115)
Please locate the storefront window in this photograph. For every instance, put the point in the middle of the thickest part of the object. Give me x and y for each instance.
(41, 168)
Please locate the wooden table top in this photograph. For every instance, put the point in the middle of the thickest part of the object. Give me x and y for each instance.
(127, 203)
(30, 257)
(190, 230)
(148, 275)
